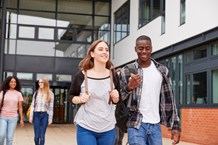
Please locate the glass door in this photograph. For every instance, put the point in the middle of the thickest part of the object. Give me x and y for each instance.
(27, 92)
(60, 105)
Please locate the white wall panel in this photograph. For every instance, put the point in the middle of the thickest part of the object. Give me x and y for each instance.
(201, 16)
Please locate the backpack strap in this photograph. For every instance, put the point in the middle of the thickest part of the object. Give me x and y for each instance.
(86, 82)
(34, 96)
(2, 102)
(111, 86)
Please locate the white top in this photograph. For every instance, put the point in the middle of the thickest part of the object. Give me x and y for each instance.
(96, 114)
(150, 98)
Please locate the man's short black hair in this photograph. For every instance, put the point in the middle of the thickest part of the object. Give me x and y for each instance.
(143, 37)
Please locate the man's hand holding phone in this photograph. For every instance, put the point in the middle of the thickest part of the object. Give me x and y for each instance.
(134, 81)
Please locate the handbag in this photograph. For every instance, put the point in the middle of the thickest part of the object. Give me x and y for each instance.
(29, 109)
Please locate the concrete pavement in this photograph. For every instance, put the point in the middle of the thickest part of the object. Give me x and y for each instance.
(59, 134)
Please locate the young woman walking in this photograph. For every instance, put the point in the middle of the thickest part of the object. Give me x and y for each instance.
(41, 112)
(95, 119)
(11, 103)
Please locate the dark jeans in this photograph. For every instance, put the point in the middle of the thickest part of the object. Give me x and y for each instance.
(40, 121)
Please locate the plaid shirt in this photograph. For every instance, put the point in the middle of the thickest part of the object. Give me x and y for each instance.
(168, 110)
(42, 106)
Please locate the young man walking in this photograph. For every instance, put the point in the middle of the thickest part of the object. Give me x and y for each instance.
(147, 86)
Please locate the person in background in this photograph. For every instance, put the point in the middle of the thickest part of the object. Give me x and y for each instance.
(41, 112)
(11, 103)
(152, 100)
(119, 132)
(95, 119)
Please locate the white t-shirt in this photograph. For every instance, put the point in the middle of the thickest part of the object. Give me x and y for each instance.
(150, 98)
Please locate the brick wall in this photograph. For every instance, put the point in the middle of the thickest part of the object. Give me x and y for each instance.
(199, 125)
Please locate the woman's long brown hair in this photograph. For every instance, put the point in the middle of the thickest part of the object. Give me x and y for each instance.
(88, 62)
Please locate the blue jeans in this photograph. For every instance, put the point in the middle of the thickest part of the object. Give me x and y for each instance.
(7, 129)
(87, 137)
(147, 134)
(40, 122)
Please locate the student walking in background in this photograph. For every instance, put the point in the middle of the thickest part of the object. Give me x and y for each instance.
(10, 104)
(119, 132)
(152, 100)
(95, 119)
(41, 113)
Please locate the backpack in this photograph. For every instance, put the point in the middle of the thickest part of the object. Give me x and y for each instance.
(122, 112)
(122, 115)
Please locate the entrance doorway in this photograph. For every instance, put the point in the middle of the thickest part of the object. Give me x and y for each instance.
(60, 104)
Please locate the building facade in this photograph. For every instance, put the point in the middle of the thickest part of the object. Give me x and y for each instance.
(185, 38)
(48, 38)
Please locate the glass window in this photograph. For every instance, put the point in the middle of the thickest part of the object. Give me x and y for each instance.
(12, 3)
(102, 8)
(74, 21)
(103, 33)
(10, 46)
(41, 48)
(27, 95)
(26, 32)
(163, 24)
(72, 6)
(11, 17)
(44, 75)
(27, 92)
(199, 54)
(196, 54)
(81, 51)
(199, 88)
(46, 33)
(173, 72)
(7, 74)
(61, 77)
(25, 76)
(182, 12)
(11, 31)
(188, 57)
(71, 49)
(155, 8)
(102, 23)
(214, 47)
(215, 86)
(121, 23)
(37, 18)
(37, 5)
(63, 49)
(180, 67)
(188, 89)
(148, 10)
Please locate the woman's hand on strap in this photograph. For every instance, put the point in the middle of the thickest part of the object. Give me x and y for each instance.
(114, 94)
